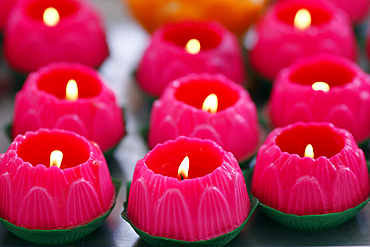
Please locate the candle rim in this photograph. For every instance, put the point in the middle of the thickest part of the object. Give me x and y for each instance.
(347, 138)
(309, 62)
(171, 90)
(89, 144)
(64, 20)
(336, 14)
(35, 77)
(214, 26)
(207, 142)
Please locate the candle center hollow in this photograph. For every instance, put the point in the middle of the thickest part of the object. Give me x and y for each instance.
(195, 92)
(324, 140)
(36, 149)
(334, 74)
(65, 8)
(204, 158)
(180, 35)
(55, 82)
(318, 15)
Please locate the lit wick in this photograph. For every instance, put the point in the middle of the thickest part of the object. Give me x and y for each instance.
(210, 103)
(321, 86)
(51, 17)
(71, 90)
(302, 19)
(193, 46)
(56, 158)
(308, 152)
(183, 169)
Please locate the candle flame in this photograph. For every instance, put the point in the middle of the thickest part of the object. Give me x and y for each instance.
(302, 19)
(317, 86)
(308, 152)
(193, 46)
(72, 90)
(184, 169)
(56, 158)
(51, 17)
(210, 103)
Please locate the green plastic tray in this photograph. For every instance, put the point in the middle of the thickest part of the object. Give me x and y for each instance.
(160, 241)
(59, 237)
(309, 222)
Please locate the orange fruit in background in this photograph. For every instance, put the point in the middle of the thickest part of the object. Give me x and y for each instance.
(236, 15)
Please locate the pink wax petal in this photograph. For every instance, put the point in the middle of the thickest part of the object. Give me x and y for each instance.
(56, 182)
(172, 206)
(73, 123)
(140, 204)
(340, 112)
(297, 113)
(288, 165)
(186, 123)
(70, 47)
(240, 210)
(247, 140)
(107, 191)
(346, 191)
(325, 173)
(30, 121)
(37, 210)
(214, 208)
(307, 197)
(6, 197)
(103, 117)
(166, 130)
(22, 181)
(268, 187)
(82, 203)
(204, 131)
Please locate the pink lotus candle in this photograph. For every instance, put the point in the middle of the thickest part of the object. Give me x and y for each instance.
(211, 200)
(307, 169)
(323, 88)
(208, 107)
(5, 7)
(39, 191)
(42, 31)
(72, 97)
(178, 49)
(300, 28)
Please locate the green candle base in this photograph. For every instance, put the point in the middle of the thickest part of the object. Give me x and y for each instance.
(63, 236)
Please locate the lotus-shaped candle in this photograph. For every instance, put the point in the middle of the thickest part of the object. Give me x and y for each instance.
(187, 47)
(46, 192)
(310, 169)
(237, 16)
(201, 199)
(88, 107)
(323, 88)
(182, 110)
(39, 32)
(296, 29)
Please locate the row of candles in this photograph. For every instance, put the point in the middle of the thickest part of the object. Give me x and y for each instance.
(210, 105)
